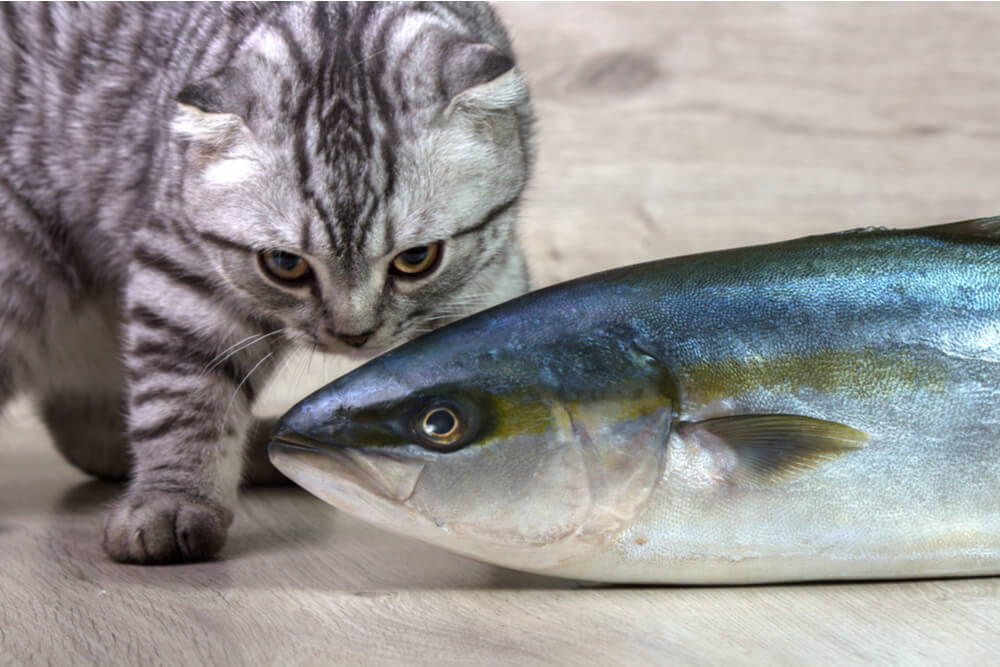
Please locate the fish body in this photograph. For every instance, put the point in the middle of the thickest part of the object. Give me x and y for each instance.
(823, 408)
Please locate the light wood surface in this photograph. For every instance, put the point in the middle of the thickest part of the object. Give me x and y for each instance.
(663, 129)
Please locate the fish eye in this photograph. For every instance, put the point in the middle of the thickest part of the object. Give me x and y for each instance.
(440, 427)
(284, 267)
(416, 262)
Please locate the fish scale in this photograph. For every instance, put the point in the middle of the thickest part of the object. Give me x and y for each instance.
(822, 408)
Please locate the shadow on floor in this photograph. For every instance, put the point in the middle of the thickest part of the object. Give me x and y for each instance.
(88, 496)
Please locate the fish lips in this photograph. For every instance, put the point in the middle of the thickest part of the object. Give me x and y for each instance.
(376, 471)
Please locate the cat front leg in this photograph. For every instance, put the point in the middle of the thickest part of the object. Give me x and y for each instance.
(193, 371)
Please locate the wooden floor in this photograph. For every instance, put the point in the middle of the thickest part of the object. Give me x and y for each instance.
(663, 129)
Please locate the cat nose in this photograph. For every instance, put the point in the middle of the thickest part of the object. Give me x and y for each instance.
(356, 341)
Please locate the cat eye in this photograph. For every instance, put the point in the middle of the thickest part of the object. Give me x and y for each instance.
(284, 266)
(417, 261)
(440, 428)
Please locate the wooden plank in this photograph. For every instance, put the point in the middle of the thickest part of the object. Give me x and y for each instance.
(674, 128)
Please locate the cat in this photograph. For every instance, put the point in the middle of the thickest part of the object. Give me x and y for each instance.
(187, 191)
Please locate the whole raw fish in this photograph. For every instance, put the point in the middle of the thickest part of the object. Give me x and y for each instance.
(823, 408)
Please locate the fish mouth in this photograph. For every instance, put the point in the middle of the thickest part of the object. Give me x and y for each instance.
(298, 457)
(293, 441)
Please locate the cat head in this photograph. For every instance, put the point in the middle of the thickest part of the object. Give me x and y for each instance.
(355, 173)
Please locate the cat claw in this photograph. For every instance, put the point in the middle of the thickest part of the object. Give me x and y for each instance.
(160, 528)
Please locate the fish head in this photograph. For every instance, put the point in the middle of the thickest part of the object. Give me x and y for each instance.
(519, 450)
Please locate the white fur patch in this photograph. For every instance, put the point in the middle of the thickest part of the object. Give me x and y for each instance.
(269, 46)
(230, 171)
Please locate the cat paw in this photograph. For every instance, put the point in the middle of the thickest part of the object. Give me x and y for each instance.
(155, 528)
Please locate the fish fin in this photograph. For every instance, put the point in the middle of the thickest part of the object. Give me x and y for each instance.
(981, 228)
(763, 449)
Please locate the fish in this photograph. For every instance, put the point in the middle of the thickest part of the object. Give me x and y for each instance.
(825, 408)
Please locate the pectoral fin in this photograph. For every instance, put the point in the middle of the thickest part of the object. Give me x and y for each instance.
(762, 449)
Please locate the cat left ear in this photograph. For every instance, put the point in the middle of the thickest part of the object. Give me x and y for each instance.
(213, 110)
(225, 92)
(480, 75)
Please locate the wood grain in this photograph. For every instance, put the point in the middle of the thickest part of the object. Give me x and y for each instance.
(663, 129)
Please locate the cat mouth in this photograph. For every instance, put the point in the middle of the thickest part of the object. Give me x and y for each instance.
(355, 341)
(330, 340)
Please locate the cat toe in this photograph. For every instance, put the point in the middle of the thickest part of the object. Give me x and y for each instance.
(165, 528)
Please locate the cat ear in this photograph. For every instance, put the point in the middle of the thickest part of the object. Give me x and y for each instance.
(213, 111)
(481, 75)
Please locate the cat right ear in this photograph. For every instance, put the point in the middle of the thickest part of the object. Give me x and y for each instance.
(479, 75)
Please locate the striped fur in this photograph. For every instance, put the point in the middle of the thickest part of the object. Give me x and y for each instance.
(149, 152)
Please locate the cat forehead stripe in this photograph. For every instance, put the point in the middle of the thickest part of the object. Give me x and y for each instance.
(493, 214)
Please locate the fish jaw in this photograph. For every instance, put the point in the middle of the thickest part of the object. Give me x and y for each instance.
(332, 476)
(587, 484)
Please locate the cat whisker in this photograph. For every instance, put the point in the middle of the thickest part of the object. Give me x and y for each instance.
(370, 56)
(235, 347)
(463, 304)
(460, 305)
(459, 308)
(246, 377)
(312, 352)
(236, 344)
(284, 366)
(418, 330)
(454, 312)
(239, 347)
(467, 298)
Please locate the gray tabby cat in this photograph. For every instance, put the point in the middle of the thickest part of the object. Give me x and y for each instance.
(185, 190)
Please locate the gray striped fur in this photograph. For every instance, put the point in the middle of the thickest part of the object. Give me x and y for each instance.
(148, 152)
